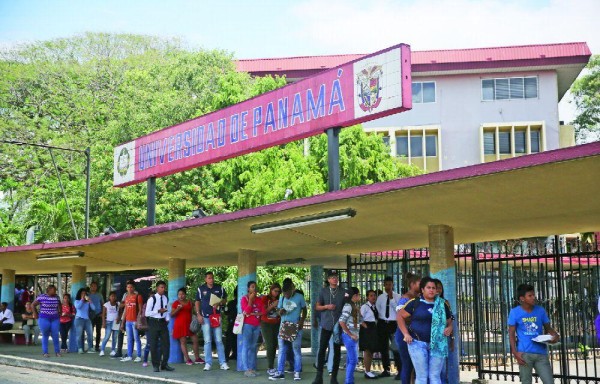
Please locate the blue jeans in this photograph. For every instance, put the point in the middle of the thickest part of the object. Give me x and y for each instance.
(351, 357)
(426, 366)
(132, 333)
(407, 365)
(49, 327)
(249, 341)
(81, 325)
(208, 333)
(296, 347)
(108, 332)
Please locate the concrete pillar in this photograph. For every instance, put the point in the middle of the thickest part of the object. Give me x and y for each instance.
(77, 282)
(441, 262)
(316, 283)
(8, 288)
(246, 273)
(176, 281)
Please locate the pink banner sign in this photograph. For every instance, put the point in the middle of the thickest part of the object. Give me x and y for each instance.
(374, 86)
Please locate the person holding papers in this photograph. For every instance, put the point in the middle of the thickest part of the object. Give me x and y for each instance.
(529, 328)
(209, 300)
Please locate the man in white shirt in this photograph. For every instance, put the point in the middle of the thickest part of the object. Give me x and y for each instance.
(386, 325)
(7, 319)
(158, 315)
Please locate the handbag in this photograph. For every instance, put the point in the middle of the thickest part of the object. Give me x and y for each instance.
(141, 323)
(31, 322)
(115, 326)
(288, 331)
(238, 325)
(194, 325)
(215, 319)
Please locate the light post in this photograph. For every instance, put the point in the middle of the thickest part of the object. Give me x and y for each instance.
(86, 152)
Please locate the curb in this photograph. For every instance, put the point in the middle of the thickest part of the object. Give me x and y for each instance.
(85, 372)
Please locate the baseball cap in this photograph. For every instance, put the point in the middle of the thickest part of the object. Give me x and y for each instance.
(332, 273)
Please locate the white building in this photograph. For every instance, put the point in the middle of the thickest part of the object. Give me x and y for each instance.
(469, 105)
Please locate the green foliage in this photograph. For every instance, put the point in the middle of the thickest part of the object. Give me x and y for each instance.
(586, 93)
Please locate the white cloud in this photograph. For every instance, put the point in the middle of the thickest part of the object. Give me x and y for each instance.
(342, 26)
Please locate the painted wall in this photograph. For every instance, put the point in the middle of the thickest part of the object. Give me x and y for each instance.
(460, 111)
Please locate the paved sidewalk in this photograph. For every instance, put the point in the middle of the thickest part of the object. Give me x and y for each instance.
(104, 368)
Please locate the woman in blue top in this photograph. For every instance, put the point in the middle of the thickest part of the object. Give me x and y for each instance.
(414, 290)
(83, 304)
(431, 323)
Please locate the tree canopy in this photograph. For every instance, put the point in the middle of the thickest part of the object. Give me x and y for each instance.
(586, 94)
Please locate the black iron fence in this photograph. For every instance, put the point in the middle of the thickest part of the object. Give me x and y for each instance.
(565, 273)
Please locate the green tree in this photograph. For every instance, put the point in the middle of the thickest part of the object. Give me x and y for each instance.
(586, 94)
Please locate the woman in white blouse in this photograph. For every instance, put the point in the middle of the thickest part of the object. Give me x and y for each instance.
(368, 340)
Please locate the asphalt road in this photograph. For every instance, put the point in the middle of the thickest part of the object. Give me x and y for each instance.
(16, 375)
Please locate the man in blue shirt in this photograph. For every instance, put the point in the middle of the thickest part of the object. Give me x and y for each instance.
(96, 315)
(292, 309)
(525, 323)
(204, 310)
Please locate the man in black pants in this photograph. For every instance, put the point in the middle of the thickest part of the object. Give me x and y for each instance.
(157, 313)
(330, 304)
(386, 326)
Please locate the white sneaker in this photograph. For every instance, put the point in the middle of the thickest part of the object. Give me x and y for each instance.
(271, 371)
(137, 359)
(90, 351)
(297, 376)
(225, 367)
(207, 367)
(125, 359)
(101, 353)
(80, 351)
(113, 353)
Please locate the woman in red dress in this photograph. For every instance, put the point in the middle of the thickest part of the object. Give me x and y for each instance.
(181, 311)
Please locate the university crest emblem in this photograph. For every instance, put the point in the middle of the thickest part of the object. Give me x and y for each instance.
(368, 84)
(123, 164)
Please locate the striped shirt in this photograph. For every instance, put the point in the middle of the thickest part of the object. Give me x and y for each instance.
(347, 318)
(49, 306)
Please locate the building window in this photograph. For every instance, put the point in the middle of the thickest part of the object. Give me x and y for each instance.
(423, 92)
(402, 146)
(386, 140)
(535, 141)
(504, 143)
(489, 143)
(511, 139)
(431, 145)
(512, 88)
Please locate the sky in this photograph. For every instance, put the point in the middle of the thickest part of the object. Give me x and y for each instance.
(279, 28)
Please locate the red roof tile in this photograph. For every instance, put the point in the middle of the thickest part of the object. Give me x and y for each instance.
(422, 61)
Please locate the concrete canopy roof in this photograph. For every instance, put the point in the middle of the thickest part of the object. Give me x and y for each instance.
(537, 195)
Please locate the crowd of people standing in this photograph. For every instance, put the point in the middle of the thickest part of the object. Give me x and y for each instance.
(416, 327)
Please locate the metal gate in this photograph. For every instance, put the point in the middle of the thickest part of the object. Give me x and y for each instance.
(566, 276)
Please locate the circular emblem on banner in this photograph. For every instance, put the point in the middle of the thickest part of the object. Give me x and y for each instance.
(123, 163)
(368, 82)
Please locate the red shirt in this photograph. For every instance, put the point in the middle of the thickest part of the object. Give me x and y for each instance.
(69, 310)
(254, 312)
(272, 317)
(131, 309)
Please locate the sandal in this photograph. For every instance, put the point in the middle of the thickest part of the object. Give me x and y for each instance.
(46, 355)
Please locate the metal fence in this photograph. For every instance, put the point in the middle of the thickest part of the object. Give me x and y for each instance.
(566, 277)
